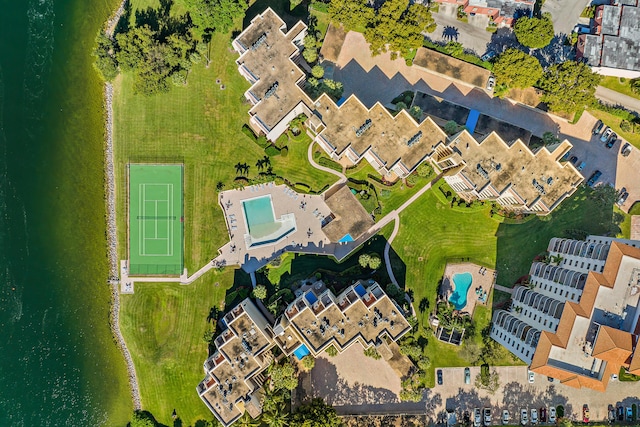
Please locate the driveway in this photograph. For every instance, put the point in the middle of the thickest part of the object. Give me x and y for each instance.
(515, 392)
(616, 98)
(472, 37)
(381, 79)
(564, 14)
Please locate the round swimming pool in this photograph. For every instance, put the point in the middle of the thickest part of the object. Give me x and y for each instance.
(458, 298)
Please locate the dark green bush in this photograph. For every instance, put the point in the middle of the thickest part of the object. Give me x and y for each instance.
(272, 150)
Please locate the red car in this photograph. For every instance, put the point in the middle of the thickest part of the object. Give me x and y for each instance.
(585, 413)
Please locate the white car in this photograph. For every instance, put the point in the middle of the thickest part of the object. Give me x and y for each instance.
(487, 416)
(524, 417)
(606, 134)
(552, 415)
(477, 417)
(505, 417)
(534, 416)
(491, 83)
(531, 377)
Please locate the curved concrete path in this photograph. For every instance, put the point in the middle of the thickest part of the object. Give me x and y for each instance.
(340, 175)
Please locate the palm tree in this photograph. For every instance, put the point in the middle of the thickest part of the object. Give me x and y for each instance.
(247, 421)
(266, 160)
(260, 164)
(635, 85)
(276, 418)
(238, 167)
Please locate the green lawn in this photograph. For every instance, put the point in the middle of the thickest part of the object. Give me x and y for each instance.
(614, 83)
(198, 125)
(432, 234)
(163, 324)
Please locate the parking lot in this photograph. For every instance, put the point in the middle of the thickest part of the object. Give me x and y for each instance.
(516, 393)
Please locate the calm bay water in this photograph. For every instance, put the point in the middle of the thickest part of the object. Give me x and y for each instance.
(58, 363)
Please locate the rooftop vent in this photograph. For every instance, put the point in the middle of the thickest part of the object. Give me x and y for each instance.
(538, 187)
(259, 42)
(271, 91)
(414, 139)
(482, 172)
(362, 129)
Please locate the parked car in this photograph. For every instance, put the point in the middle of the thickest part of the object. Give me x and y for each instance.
(531, 377)
(477, 417)
(582, 165)
(582, 29)
(488, 56)
(629, 413)
(620, 412)
(543, 415)
(594, 178)
(467, 376)
(534, 416)
(622, 197)
(611, 411)
(585, 413)
(491, 83)
(598, 127)
(612, 139)
(626, 149)
(505, 416)
(487, 416)
(466, 418)
(573, 160)
(524, 417)
(606, 134)
(439, 375)
(550, 379)
(552, 414)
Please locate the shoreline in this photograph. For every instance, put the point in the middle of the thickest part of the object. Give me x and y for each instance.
(112, 237)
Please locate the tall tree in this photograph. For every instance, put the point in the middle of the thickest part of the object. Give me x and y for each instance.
(569, 86)
(534, 32)
(105, 61)
(215, 15)
(400, 26)
(283, 377)
(277, 418)
(352, 14)
(315, 414)
(515, 68)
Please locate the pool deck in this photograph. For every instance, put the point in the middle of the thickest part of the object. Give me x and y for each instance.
(486, 281)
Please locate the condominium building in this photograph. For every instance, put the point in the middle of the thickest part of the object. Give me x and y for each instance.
(316, 319)
(577, 318)
(613, 47)
(511, 174)
(395, 145)
(270, 60)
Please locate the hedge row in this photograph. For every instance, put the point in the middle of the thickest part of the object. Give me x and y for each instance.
(323, 161)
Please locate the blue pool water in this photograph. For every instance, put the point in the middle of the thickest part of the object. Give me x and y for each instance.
(301, 352)
(347, 238)
(259, 215)
(459, 296)
(360, 290)
(311, 297)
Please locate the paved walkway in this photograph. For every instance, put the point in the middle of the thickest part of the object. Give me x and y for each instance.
(503, 289)
(616, 98)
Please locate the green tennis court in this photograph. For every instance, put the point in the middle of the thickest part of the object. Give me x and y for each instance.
(155, 219)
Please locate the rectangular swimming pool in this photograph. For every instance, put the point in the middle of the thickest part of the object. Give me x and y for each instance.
(259, 215)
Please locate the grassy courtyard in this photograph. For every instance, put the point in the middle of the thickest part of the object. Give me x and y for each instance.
(432, 234)
(163, 324)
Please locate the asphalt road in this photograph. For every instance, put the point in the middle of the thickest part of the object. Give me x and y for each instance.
(616, 98)
(564, 13)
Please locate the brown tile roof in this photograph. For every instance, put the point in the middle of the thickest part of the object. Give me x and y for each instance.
(613, 345)
(634, 366)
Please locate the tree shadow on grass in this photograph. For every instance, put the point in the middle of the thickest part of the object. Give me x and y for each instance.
(282, 8)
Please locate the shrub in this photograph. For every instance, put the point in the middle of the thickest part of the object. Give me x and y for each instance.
(423, 170)
(625, 125)
(331, 351)
(385, 194)
(302, 187)
(282, 140)
(247, 131)
(317, 71)
(260, 292)
(413, 179)
(272, 150)
(284, 152)
(451, 127)
(372, 353)
(308, 362)
(263, 142)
